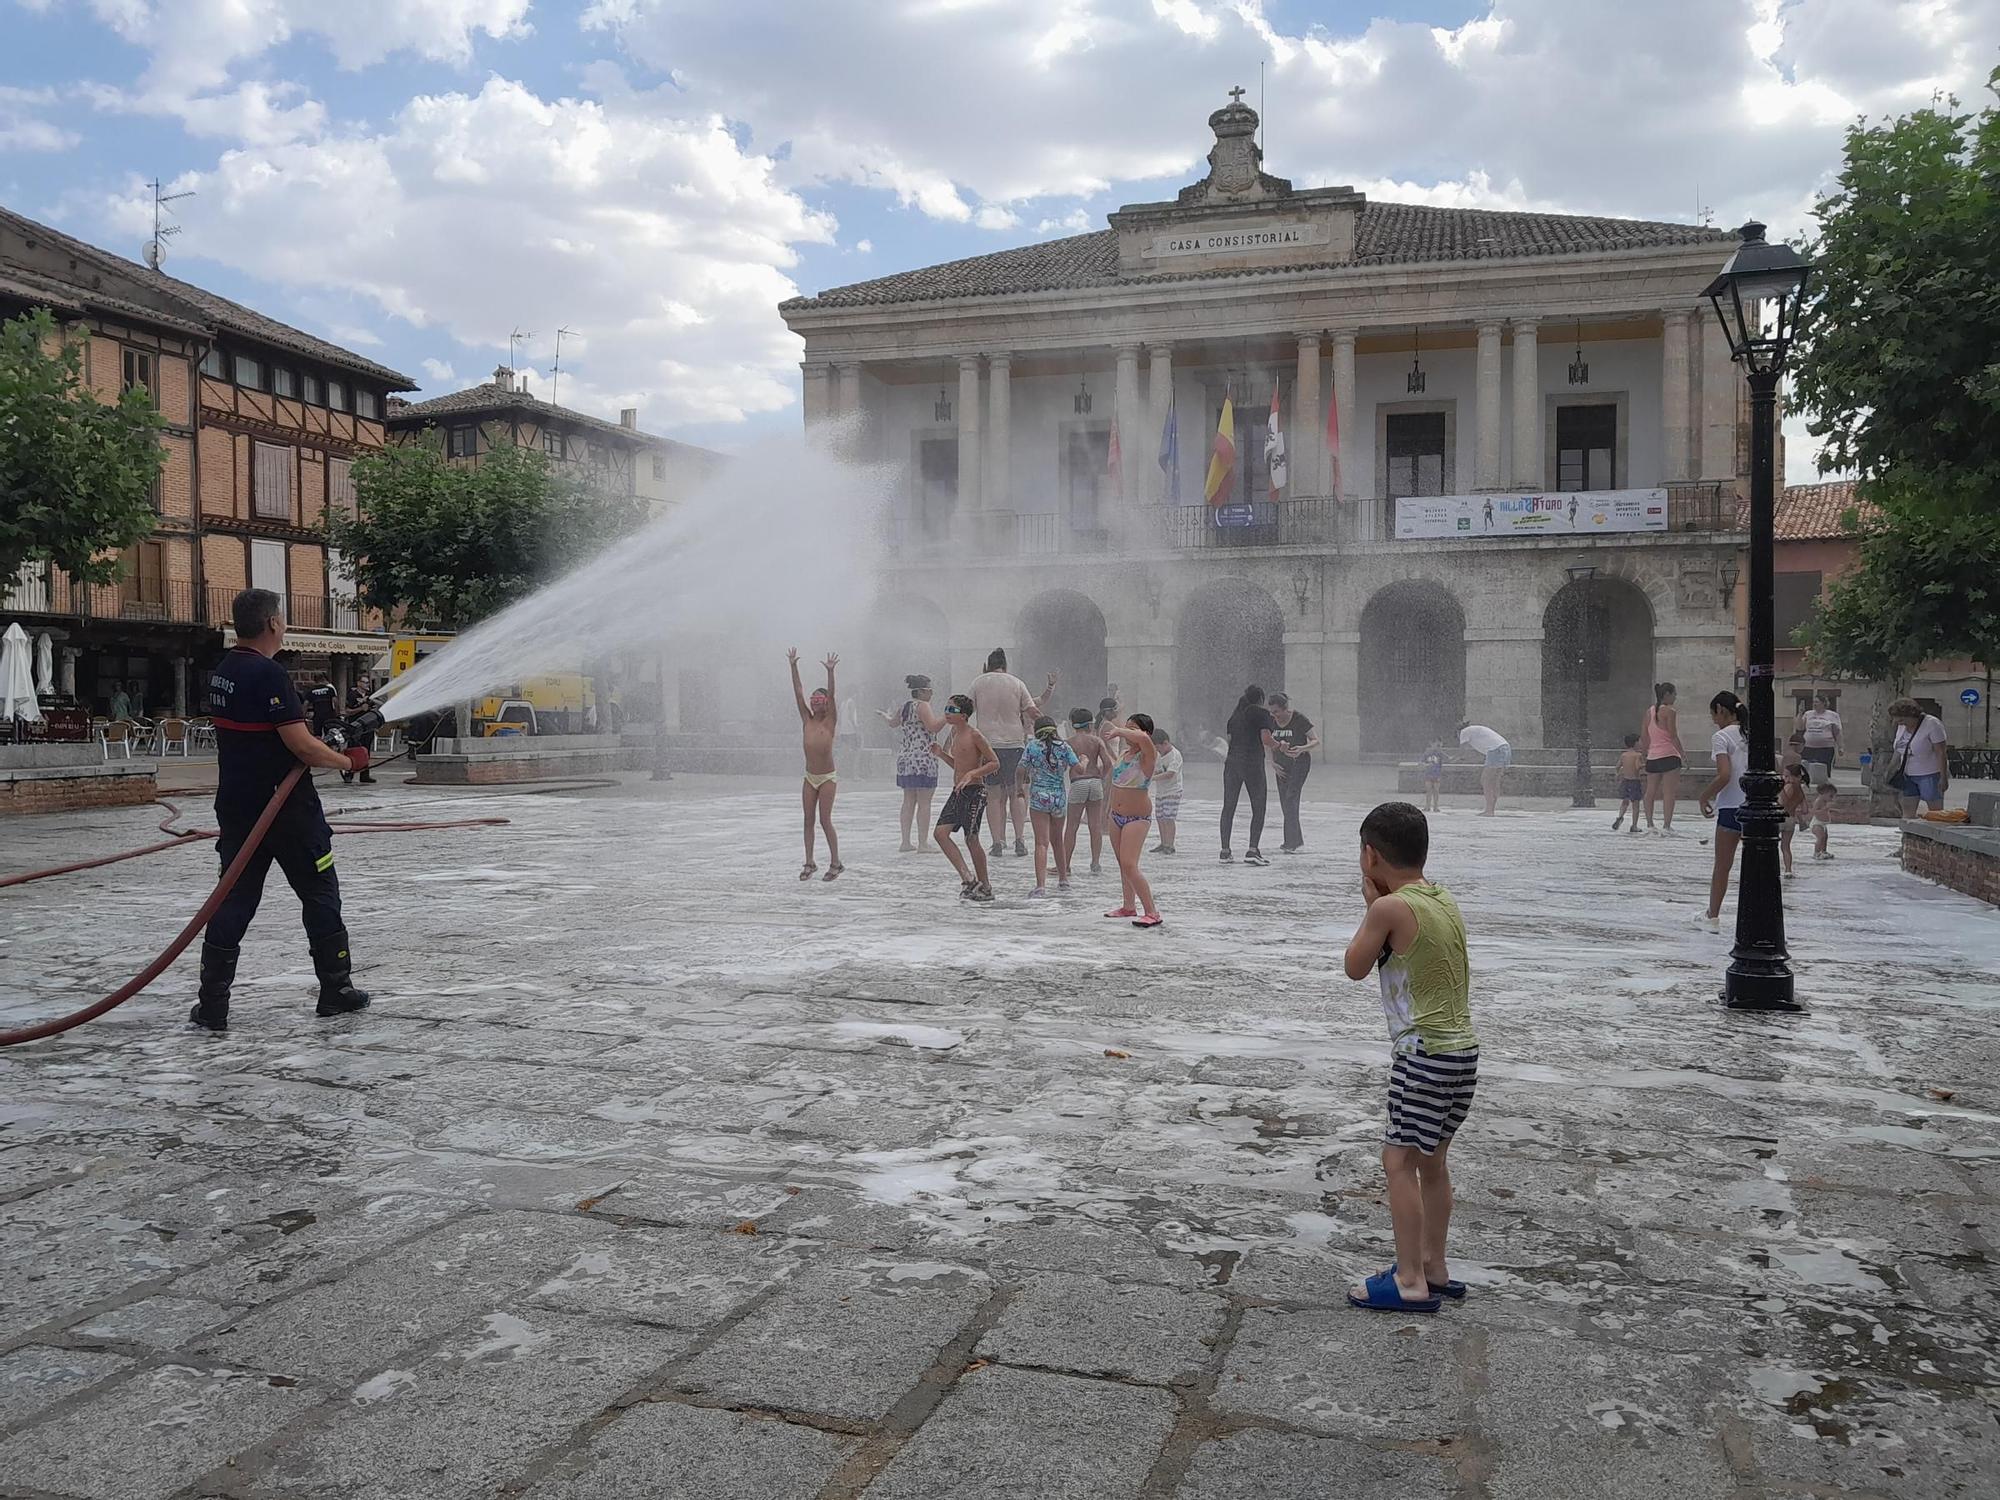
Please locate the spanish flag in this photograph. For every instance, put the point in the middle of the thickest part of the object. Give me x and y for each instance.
(1222, 461)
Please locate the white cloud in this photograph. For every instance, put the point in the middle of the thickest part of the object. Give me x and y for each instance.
(22, 127)
(864, 247)
(995, 216)
(439, 371)
(1076, 221)
(659, 240)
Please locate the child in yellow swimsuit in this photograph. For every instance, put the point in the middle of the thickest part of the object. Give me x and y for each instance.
(819, 718)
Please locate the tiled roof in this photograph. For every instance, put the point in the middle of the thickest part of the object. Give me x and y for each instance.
(482, 400)
(201, 310)
(1385, 234)
(1814, 512)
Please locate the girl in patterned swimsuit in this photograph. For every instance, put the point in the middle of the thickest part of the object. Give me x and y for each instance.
(1131, 812)
(1045, 768)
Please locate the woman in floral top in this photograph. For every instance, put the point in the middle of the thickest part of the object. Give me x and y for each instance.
(916, 767)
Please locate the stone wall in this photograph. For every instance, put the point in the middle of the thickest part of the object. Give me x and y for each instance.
(1963, 858)
(71, 788)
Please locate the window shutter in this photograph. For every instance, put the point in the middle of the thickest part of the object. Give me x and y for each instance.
(272, 480)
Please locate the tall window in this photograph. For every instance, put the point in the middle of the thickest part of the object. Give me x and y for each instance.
(464, 442)
(1086, 452)
(284, 381)
(248, 371)
(937, 484)
(659, 466)
(1416, 453)
(1586, 447)
(146, 583)
(215, 363)
(366, 403)
(314, 389)
(139, 371)
(267, 566)
(336, 395)
(552, 443)
(340, 485)
(271, 482)
(340, 587)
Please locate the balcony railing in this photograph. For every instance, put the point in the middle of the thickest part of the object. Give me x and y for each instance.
(1706, 506)
(302, 611)
(156, 601)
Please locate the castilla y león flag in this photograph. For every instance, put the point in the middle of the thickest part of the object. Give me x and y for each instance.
(1222, 460)
(1274, 450)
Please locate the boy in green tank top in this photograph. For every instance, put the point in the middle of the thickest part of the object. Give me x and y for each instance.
(1414, 939)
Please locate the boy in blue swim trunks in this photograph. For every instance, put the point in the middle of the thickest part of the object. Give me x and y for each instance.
(1045, 766)
(1414, 938)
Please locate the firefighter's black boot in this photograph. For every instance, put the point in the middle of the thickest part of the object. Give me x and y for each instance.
(337, 994)
(218, 972)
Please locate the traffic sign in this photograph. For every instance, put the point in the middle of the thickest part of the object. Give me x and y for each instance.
(1970, 697)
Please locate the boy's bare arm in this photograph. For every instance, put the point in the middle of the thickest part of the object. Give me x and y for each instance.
(832, 698)
(1388, 920)
(798, 688)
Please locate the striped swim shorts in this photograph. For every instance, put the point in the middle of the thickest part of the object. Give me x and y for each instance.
(1430, 1095)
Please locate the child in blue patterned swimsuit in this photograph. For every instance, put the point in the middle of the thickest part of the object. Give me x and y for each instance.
(1045, 768)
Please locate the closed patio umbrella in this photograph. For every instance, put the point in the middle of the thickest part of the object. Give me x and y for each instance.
(45, 663)
(17, 677)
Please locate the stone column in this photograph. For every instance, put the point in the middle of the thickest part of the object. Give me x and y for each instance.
(1720, 387)
(1486, 403)
(818, 390)
(968, 433)
(1303, 440)
(1674, 395)
(1000, 431)
(1160, 401)
(1131, 446)
(1346, 483)
(847, 374)
(66, 671)
(180, 687)
(1339, 718)
(1527, 407)
(1503, 680)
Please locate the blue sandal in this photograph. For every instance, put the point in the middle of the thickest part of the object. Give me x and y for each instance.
(1383, 1296)
(1451, 1291)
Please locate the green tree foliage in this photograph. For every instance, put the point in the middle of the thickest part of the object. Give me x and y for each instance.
(448, 543)
(76, 473)
(1899, 368)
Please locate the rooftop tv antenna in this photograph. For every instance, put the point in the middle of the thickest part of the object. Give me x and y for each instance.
(555, 374)
(514, 341)
(156, 247)
(1702, 216)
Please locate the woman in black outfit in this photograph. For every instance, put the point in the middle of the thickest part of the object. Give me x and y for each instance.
(1291, 763)
(1250, 744)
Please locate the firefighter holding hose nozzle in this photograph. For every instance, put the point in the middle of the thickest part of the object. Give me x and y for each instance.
(261, 734)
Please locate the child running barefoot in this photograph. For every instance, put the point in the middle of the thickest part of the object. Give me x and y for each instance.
(1792, 803)
(1131, 810)
(1045, 767)
(1631, 783)
(1433, 775)
(1166, 791)
(1824, 796)
(972, 760)
(821, 721)
(1414, 936)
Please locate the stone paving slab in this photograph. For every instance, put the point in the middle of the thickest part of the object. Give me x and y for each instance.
(35, 1377)
(1286, 1466)
(1385, 1375)
(1090, 1326)
(161, 1322)
(1015, 1434)
(666, 1451)
(146, 1437)
(472, 1414)
(839, 1341)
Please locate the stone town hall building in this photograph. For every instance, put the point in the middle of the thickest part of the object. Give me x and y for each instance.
(1501, 356)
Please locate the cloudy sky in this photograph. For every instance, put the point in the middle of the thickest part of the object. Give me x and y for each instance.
(420, 178)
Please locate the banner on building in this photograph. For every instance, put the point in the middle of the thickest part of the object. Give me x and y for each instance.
(1578, 513)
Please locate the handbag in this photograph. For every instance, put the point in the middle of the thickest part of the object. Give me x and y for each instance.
(1899, 779)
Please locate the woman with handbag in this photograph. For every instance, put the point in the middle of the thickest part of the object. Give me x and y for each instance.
(1922, 759)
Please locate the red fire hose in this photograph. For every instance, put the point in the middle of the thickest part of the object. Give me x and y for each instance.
(199, 920)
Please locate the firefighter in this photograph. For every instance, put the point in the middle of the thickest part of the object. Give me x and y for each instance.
(260, 734)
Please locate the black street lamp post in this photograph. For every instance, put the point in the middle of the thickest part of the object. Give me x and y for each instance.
(1580, 571)
(1757, 296)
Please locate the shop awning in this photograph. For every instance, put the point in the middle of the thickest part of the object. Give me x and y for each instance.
(322, 643)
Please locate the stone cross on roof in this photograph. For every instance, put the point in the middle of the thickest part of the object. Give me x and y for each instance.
(1236, 94)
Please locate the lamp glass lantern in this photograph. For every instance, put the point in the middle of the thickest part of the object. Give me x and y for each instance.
(941, 408)
(1301, 586)
(1579, 371)
(1081, 401)
(1757, 297)
(1415, 381)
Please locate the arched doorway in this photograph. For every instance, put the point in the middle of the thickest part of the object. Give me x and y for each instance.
(905, 633)
(1604, 627)
(1231, 634)
(1412, 668)
(1062, 631)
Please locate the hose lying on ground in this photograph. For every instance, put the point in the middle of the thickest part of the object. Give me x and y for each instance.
(199, 920)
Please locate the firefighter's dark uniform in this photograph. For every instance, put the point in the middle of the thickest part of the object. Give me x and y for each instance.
(249, 697)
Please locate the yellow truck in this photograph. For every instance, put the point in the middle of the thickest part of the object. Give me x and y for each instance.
(557, 703)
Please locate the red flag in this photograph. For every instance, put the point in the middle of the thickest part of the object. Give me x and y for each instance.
(1274, 450)
(1114, 461)
(1333, 439)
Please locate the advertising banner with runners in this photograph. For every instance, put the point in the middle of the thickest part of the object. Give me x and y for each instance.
(1578, 512)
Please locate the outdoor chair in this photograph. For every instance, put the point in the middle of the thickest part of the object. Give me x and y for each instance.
(118, 733)
(143, 734)
(201, 733)
(173, 732)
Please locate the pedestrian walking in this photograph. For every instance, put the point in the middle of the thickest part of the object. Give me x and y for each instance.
(916, 767)
(972, 762)
(1086, 787)
(1922, 757)
(1660, 735)
(1722, 798)
(1293, 741)
(1166, 792)
(1250, 740)
(1045, 765)
(1131, 810)
(1820, 726)
(1631, 783)
(1004, 711)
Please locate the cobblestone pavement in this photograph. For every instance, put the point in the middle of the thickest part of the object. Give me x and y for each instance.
(655, 1172)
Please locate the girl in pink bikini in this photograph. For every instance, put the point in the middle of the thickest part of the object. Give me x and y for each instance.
(1131, 802)
(1660, 733)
